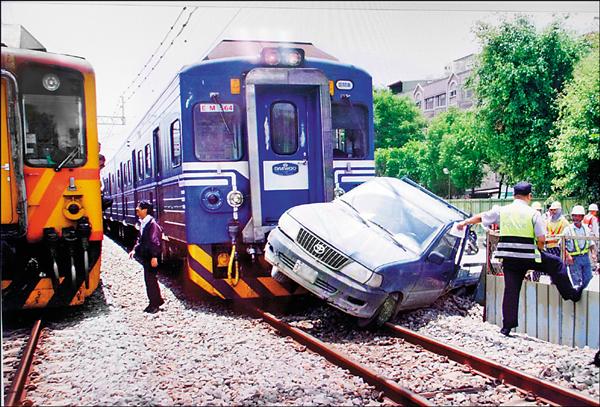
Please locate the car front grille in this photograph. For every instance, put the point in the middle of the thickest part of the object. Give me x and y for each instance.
(321, 250)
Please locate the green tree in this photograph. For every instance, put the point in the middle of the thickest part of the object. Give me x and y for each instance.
(576, 149)
(518, 77)
(397, 119)
(456, 141)
(398, 162)
(463, 150)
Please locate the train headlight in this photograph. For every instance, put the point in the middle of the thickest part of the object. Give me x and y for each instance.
(282, 56)
(235, 199)
(291, 57)
(73, 210)
(211, 198)
(270, 56)
(51, 82)
(338, 191)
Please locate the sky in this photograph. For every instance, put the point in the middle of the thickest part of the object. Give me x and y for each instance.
(390, 40)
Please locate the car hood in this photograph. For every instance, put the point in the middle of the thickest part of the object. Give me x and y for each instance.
(344, 230)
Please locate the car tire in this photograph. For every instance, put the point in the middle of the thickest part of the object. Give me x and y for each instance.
(383, 314)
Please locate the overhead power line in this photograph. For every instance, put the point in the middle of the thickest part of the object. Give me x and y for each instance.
(150, 59)
(573, 7)
(156, 50)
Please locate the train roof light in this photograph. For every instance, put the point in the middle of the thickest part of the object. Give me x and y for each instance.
(51, 82)
(282, 56)
(270, 56)
(292, 57)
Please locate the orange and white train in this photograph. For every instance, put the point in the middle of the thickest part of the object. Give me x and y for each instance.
(51, 232)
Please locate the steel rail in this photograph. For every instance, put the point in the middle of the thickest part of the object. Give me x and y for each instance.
(545, 391)
(391, 389)
(15, 392)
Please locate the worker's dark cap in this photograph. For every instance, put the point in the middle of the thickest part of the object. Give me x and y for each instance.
(522, 188)
(145, 205)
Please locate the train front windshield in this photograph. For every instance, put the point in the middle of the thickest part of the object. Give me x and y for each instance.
(54, 117)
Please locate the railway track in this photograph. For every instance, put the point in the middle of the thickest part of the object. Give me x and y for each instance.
(16, 391)
(532, 389)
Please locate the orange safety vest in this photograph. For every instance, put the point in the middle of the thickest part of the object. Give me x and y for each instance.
(589, 220)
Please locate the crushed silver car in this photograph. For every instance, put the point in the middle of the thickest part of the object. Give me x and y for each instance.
(385, 246)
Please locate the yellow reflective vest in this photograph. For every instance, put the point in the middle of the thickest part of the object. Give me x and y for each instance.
(517, 233)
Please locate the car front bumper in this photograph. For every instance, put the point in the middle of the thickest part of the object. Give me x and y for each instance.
(342, 292)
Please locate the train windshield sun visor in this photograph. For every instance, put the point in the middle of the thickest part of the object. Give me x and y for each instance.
(54, 116)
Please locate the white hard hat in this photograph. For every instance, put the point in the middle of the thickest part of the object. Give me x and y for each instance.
(578, 210)
(536, 205)
(593, 207)
(556, 205)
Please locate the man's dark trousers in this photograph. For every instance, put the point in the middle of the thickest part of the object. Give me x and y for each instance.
(514, 272)
(152, 289)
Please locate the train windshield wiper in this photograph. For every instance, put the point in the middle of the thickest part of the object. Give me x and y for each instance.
(68, 158)
(216, 100)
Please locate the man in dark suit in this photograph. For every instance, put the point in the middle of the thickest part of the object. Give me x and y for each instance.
(147, 249)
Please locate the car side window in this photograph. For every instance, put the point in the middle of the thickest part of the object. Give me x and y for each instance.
(447, 245)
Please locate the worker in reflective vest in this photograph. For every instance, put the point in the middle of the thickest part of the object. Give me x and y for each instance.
(578, 249)
(522, 236)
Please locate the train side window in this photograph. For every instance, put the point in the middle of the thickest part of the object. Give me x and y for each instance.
(129, 177)
(148, 157)
(350, 129)
(119, 181)
(284, 128)
(176, 143)
(217, 132)
(140, 165)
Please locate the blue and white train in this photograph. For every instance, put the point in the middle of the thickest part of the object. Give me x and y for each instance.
(235, 140)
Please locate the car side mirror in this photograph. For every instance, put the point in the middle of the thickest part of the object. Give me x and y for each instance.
(436, 258)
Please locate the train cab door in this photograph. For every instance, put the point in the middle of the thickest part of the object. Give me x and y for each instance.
(11, 171)
(290, 153)
(289, 150)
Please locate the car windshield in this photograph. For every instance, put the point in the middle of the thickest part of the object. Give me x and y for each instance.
(410, 215)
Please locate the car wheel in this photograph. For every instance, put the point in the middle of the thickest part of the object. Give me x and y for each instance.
(383, 314)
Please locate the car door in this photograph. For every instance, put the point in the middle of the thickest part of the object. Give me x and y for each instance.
(440, 265)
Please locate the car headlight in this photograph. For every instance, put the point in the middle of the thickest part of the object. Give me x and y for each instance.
(289, 226)
(357, 272)
(375, 280)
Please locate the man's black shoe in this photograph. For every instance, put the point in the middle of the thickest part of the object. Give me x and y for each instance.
(506, 332)
(578, 294)
(151, 309)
